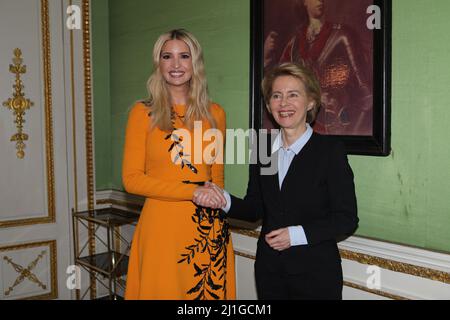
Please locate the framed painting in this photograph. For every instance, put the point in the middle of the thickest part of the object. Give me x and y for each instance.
(347, 44)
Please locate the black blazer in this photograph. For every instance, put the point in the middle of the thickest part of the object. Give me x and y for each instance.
(318, 193)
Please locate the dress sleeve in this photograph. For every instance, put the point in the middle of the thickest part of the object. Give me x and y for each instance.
(134, 178)
(217, 167)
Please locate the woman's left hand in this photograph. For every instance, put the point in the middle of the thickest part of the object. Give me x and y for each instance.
(279, 239)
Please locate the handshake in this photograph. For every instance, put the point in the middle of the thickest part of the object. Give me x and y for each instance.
(210, 196)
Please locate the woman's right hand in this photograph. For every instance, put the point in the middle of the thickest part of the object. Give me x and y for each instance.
(207, 196)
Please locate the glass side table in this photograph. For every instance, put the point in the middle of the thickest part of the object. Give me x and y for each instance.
(109, 265)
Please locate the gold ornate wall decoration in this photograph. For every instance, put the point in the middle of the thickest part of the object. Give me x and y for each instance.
(377, 292)
(89, 129)
(47, 68)
(396, 266)
(244, 255)
(346, 283)
(49, 250)
(18, 104)
(25, 273)
(48, 108)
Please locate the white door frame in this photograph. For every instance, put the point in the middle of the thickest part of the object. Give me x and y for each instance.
(43, 243)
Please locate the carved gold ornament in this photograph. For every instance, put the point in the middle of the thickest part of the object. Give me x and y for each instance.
(18, 104)
(25, 273)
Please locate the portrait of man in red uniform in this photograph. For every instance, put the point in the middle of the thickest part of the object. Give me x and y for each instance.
(331, 37)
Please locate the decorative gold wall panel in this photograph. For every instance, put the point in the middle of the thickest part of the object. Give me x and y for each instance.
(25, 273)
(46, 50)
(18, 104)
(89, 131)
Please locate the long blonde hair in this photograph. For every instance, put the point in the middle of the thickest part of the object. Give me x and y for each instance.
(198, 105)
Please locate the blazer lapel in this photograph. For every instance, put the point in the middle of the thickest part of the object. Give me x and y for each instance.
(293, 170)
(271, 182)
(275, 181)
(290, 173)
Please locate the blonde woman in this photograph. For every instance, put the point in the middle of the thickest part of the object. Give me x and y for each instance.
(179, 250)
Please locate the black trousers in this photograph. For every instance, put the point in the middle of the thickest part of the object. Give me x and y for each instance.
(324, 283)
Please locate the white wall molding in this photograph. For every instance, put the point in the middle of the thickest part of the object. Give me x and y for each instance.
(401, 253)
(405, 272)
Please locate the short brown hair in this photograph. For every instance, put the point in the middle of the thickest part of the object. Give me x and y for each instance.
(300, 72)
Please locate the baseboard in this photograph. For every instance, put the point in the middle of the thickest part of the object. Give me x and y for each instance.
(119, 199)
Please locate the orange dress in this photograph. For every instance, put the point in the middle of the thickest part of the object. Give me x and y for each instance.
(179, 251)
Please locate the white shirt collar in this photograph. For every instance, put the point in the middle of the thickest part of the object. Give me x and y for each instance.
(298, 145)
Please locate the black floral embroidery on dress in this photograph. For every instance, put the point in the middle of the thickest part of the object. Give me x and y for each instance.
(177, 144)
(214, 236)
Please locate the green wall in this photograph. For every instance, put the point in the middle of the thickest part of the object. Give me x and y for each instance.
(402, 198)
(405, 198)
(223, 30)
